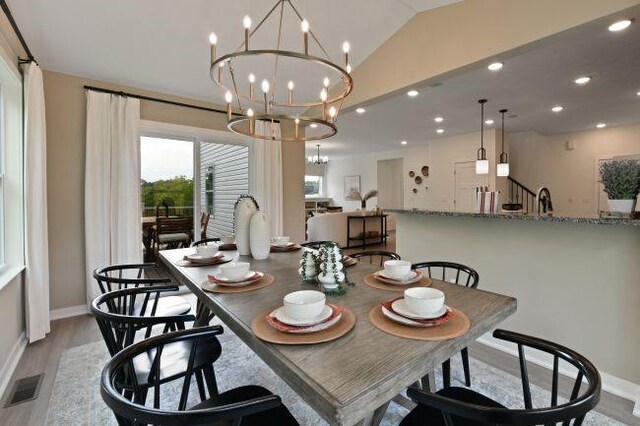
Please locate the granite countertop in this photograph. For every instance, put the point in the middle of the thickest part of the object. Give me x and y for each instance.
(515, 216)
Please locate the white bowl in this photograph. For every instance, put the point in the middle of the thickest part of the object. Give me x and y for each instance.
(280, 241)
(397, 269)
(228, 239)
(304, 304)
(424, 300)
(207, 250)
(235, 270)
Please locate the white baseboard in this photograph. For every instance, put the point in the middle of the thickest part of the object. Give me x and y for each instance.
(71, 311)
(12, 362)
(612, 384)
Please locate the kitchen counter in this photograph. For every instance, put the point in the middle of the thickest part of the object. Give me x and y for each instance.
(529, 217)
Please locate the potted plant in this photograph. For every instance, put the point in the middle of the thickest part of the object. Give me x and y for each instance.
(364, 198)
(621, 181)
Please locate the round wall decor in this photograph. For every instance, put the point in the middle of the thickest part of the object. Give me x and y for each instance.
(425, 171)
(418, 180)
(412, 173)
(415, 190)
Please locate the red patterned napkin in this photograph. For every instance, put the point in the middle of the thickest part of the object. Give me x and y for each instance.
(286, 328)
(434, 321)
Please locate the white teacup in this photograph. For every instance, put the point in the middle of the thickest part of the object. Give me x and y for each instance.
(424, 300)
(304, 304)
(208, 250)
(280, 241)
(235, 270)
(397, 269)
(228, 239)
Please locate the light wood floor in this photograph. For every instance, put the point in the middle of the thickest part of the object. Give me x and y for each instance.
(44, 357)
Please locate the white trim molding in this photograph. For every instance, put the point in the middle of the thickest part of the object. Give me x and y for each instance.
(12, 362)
(71, 311)
(612, 384)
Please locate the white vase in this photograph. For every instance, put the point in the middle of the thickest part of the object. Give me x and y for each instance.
(245, 208)
(622, 206)
(260, 235)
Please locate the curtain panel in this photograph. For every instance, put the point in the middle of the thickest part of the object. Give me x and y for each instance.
(36, 234)
(113, 226)
(267, 178)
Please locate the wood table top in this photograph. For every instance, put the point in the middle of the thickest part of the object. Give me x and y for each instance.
(348, 378)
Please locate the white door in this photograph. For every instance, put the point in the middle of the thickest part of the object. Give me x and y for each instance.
(465, 181)
(390, 186)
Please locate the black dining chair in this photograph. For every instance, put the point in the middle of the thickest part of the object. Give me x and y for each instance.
(455, 273)
(118, 277)
(379, 256)
(455, 406)
(205, 241)
(128, 316)
(245, 405)
(316, 244)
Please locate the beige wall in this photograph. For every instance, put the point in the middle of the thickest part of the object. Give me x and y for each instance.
(450, 38)
(440, 155)
(571, 175)
(65, 108)
(575, 284)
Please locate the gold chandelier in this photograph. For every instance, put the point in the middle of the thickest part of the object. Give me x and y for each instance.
(276, 110)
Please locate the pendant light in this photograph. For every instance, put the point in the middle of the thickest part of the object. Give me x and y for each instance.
(502, 169)
(482, 164)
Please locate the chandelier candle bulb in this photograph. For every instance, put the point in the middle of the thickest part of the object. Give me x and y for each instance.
(332, 113)
(251, 122)
(345, 49)
(326, 82)
(228, 97)
(323, 98)
(304, 25)
(252, 79)
(291, 86)
(213, 39)
(265, 90)
(221, 73)
(246, 23)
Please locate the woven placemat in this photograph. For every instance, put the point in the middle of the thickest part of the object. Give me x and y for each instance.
(214, 288)
(372, 282)
(455, 327)
(264, 331)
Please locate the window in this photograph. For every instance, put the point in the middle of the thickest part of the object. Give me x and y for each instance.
(313, 186)
(208, 189)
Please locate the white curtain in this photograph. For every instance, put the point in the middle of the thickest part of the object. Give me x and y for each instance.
(113, 226)
(37, 242)
(267, 178)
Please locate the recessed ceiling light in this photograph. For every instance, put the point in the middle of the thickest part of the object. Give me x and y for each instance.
(583, 80)
(488, 122)
(313, 125)
(438, 119)
(403, 142)
(361, 110)
(557, 108)
(495, 66)
(412, 93)
(620, 25)
(638, 94)
(601, 125)
(440, 131)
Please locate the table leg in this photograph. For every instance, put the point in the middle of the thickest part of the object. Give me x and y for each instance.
(203, 315)
(429, 382)
(375, 418)
(364, 233)
(348, 232)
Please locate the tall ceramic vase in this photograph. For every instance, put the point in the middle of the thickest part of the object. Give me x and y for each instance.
(260, 236)
(245, 208)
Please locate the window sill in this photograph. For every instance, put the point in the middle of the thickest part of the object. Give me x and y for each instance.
(8, 274)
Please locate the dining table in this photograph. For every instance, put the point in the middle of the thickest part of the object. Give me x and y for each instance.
(350, 380)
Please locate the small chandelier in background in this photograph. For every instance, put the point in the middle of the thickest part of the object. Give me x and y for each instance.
(482, 164)
(282, 112)
(502, 168)
(317, 159)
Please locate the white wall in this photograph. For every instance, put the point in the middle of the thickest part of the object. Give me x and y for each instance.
(440, 155)
(571, 175)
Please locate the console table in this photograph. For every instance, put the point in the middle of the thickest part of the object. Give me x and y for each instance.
(378, 239)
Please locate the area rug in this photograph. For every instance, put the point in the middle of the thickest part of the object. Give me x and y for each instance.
(76, 400)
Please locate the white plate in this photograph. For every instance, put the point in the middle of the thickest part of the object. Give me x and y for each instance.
(414, 277)
(318, 327)
(289, 244)
(401, 307)
(281, 316)
(240, 283)
(248, 276)
(402, 320)
(196, 256)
